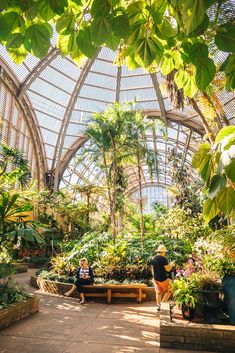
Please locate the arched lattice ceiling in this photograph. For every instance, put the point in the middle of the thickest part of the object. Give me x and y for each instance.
(62, 98)
(180, 138)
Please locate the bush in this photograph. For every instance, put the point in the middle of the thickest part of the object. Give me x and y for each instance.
(11, 293)
(122, 274)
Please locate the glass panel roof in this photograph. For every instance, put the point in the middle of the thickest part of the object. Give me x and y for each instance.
(62, 97)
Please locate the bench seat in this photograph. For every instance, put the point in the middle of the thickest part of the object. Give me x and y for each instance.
(110, 291)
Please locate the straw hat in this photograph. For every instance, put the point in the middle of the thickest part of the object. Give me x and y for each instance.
(161, 248)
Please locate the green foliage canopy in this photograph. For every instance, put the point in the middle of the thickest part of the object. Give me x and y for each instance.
(216, 165)
(156, 34)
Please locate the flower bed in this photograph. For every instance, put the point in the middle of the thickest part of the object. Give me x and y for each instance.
(18, 311)
(187, 335)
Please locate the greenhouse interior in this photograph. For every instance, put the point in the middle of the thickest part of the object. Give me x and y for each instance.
(117, 176)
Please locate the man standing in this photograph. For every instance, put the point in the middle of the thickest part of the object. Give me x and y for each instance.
(162, 283)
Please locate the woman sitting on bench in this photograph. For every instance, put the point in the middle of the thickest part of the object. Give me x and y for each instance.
(84, 276)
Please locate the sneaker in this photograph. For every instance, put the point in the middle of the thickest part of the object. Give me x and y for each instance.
(158, 307)
(82, 301)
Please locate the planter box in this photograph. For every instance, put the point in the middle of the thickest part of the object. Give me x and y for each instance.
(18, 311)
(179, 334)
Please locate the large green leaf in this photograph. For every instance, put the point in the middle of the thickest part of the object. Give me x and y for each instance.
(65, 43)
(148, 50)
(10, 22)
(226, 200)
(39, 38)
(205, 72)
(217, 182)
(226, 131)
(181, 78)
(77, 56)
(167, 29)
(196, 51)
(135, 11)
(15, 41)
(201, 28)
(194, 12)
(230, 171)
(201, 157)
(137, 32)
(18, 55)
(101, 30)
(113, 42)
(58, 6)
(167, 65)
(210, 209)
(190, 88)
(65, 24)
(85, 44)
(100, 8)
(121, 25)
(225, 37)
(45, 10)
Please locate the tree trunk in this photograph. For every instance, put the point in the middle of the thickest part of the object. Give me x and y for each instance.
(88, 207)
(112, 216)
(140, 202)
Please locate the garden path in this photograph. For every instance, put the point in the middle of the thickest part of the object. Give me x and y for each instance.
(63, 326)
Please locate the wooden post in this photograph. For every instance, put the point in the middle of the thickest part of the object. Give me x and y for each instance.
(139, 298)
(109, 295)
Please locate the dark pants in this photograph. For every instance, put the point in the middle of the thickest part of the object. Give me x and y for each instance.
(80, 282)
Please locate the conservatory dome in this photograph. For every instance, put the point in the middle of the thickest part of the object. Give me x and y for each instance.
(47, 104)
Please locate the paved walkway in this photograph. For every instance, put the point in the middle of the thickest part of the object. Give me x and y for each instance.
(63, 326)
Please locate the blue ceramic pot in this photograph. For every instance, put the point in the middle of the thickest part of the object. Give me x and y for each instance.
(229, 296)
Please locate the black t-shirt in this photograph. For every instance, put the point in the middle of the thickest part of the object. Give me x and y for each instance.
(159, 271)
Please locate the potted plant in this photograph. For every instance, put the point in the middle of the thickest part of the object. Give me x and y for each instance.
(227, 270)
(186, 296)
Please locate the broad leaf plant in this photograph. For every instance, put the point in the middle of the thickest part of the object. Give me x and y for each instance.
(181, 35)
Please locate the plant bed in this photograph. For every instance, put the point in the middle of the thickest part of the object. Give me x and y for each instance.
(17, 311)
(181, 334)
(60, 288)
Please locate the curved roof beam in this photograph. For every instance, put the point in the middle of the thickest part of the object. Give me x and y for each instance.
(30, 118)
(36, 71)
(66, 119)
(70, 153)
(159, 96)
(178, 118)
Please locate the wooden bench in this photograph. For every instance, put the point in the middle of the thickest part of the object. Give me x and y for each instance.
(110, 291)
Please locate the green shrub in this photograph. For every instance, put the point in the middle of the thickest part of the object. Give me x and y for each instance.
(122, 274)
(11, 293)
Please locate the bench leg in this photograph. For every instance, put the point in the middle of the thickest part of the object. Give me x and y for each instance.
(109, 295)
(139, 298)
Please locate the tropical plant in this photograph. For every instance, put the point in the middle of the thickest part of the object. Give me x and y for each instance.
(117, 141)
(186, 192)
(185, 293)
(13, 167)
(216, 165)
(14, 229)
(11, 293)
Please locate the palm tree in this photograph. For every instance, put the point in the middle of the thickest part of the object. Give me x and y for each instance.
(139, 153)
